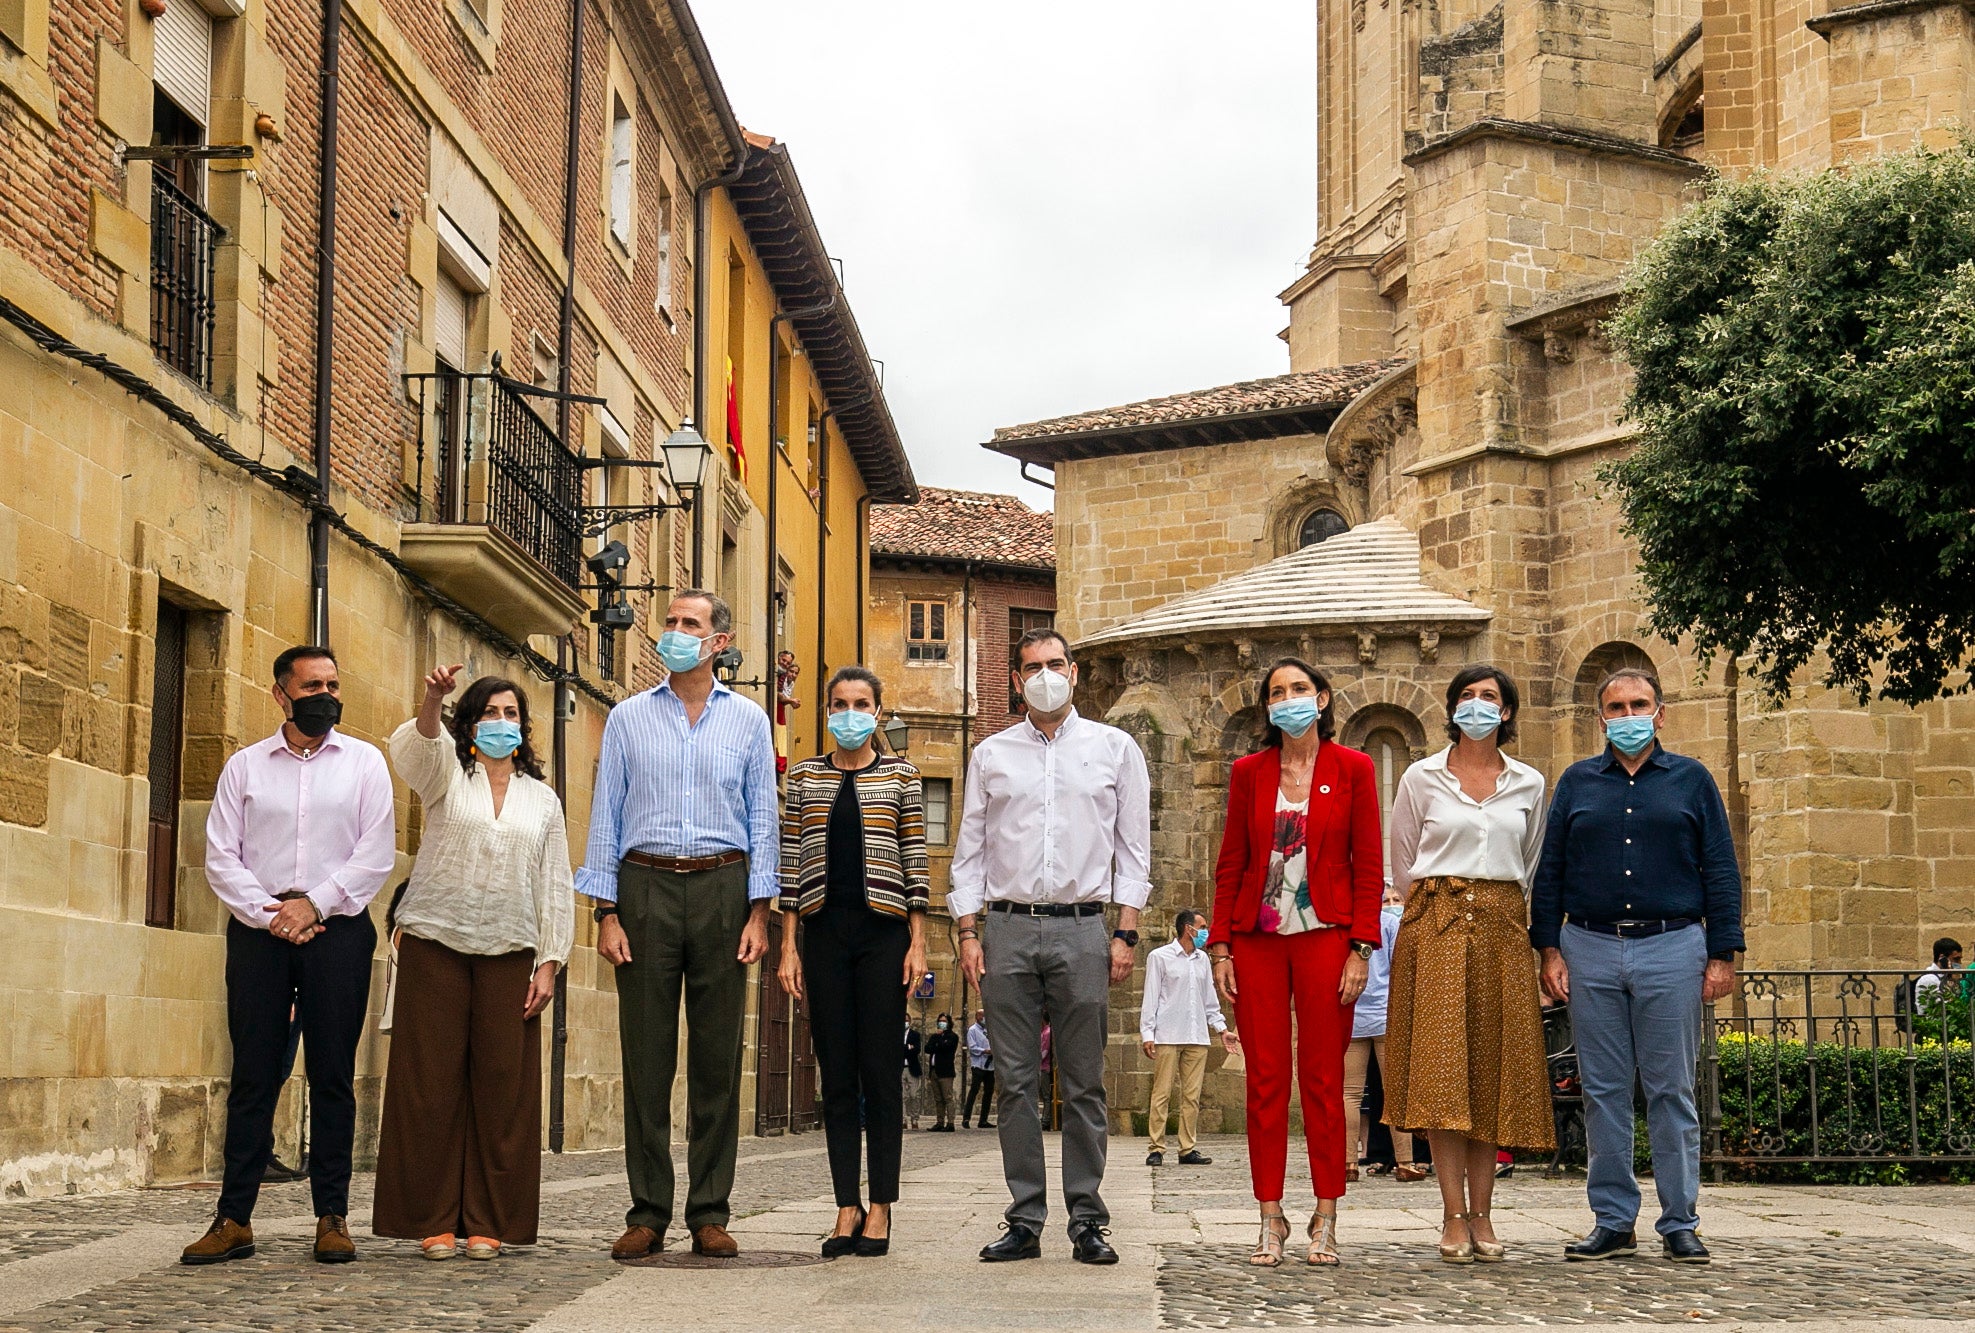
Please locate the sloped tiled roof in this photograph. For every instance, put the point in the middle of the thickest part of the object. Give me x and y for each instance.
(965, 525)
(1367, 576)
(1296, 393)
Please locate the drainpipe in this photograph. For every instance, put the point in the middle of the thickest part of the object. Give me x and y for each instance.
(564, 654)
(774, 475)
(700, 194)
(863, 535)
(823, 541)
(966, 667)
(325, 316)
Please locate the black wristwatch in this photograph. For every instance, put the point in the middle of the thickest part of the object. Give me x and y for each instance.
(1130, 937)
(603, 910)
(1363, 950)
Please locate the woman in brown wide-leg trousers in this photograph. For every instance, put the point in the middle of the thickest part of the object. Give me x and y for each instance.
(479, 932)
(460, 1149)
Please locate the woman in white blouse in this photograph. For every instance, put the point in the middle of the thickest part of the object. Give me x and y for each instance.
(482, 928)
(1464, 1039)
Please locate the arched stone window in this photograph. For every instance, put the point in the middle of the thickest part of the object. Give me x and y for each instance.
(1320, 524)
(1393, 738)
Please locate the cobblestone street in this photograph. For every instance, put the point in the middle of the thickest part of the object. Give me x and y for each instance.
(1795, 1257)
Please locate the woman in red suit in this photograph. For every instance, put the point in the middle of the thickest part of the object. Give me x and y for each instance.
(1296, 902)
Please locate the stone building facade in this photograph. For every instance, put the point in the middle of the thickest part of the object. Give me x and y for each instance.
(162, 241)
(955, 580)
(1486, 174)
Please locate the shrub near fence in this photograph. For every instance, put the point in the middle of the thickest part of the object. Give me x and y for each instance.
(1822, 1077)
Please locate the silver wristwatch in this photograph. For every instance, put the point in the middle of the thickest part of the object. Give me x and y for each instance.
(1362, 949)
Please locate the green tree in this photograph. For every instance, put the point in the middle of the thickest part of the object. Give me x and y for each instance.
(1804, 480)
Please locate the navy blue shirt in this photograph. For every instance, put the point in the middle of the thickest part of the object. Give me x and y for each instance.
(1638, 847)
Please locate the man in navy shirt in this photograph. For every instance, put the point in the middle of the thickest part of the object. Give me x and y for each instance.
(1637, 909)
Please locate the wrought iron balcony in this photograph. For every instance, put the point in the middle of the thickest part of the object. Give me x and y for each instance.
(497, 523)
(183, 241)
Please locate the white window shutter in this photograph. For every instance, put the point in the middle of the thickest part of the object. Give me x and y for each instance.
(182, 61)
(449, 323)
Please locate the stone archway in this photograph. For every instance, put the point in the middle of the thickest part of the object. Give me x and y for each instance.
(1597, 664)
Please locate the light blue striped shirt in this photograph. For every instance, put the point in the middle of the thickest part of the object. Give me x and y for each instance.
(671, 790)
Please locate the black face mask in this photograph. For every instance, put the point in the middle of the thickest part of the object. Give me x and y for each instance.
(315, 714)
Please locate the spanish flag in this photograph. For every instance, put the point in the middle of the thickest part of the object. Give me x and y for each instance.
(734, 426)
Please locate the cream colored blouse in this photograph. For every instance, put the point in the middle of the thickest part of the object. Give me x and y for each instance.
(1438, 829)
(484, 884)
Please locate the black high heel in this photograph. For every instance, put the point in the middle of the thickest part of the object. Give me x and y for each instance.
(874, 1247)
(836, 1247)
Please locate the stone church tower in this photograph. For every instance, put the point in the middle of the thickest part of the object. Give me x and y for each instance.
(1420, 491)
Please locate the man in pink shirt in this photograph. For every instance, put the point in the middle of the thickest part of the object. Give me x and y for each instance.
(301, 837)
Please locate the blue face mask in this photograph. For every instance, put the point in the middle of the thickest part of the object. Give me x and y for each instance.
(1629, 735)
(679, 651)
(1200, 938)
(1295, 716)
(498, 739)
(852, 728)
(1477, 718)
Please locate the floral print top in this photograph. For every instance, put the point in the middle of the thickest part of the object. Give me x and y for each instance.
(1286, 908)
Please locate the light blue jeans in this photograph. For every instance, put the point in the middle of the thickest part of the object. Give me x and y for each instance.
(1635, 1008)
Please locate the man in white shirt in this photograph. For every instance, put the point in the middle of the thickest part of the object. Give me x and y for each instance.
(980, 1060)
(1057, 823)
(1174, 1018)
(1947, 959)
(301, 836)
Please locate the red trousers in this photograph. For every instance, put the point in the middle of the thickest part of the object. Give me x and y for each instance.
(1269, 972)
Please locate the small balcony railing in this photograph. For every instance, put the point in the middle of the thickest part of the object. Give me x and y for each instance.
(490, 459)
(183, 241)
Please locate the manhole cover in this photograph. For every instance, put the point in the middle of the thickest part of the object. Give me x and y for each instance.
(745, 1259)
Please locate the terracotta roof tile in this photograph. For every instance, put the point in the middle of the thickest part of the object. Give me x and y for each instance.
(965, 525)
(1331, 387)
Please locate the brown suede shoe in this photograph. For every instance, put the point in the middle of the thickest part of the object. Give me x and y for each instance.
(636, 1243)
(226, 1239)
(332, 1240)
(713, 1241)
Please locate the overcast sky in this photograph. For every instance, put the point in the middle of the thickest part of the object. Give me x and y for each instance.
(1041, 207)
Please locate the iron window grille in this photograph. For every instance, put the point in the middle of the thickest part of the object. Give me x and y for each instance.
(184, 241)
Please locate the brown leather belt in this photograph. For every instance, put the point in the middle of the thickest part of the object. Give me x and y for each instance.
(683, 865)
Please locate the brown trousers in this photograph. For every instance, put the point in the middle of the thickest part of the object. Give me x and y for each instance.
(461, 1145)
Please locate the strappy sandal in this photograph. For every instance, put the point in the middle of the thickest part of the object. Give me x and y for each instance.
(1323, 1241)
(1462, 1253)
(1486, 1251)
(1268, 1251)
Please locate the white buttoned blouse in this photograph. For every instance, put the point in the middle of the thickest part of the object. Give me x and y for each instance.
(1438, 829)
(484, 884)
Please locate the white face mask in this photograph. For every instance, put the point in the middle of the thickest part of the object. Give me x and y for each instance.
(1046, 692)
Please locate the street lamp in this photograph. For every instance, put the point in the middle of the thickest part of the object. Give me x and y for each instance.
(685, 457)
(896, 733)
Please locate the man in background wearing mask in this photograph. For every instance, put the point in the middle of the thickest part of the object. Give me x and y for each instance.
(1056, 825)
(1179, 1009)
(940, 1049)
(682, 860)
(1637, 909)
(301, 836)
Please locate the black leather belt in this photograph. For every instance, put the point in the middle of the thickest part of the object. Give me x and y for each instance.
(1636, 930)
(1048, 909)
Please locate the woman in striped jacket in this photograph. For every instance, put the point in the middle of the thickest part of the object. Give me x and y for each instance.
(854, 874)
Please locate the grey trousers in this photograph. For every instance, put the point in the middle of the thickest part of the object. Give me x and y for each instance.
(1060, 966)
(1635, 1008)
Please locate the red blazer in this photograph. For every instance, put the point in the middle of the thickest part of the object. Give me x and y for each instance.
(1346, 856)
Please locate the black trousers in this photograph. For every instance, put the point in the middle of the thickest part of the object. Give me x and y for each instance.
(982, 1086)
(328, 982)
(853, 969)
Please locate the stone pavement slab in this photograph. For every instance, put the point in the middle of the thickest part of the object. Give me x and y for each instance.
(1789, 1260)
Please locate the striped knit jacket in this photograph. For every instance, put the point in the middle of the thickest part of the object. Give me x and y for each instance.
(894, 835)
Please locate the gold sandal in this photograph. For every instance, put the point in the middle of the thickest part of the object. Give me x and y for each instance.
(1323, 1241)
(1486, 1251)
(1462, 1253)
(1268, 1251)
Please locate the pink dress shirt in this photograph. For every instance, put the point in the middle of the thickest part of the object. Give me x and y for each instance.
(325, 825)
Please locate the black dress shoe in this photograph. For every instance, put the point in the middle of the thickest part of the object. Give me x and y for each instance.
(836, 1247)
(1684, 1247)
(1155, 1159)
(1602, 1243)
(1019, 1242)
(1195, 1158)
(1088, 1246)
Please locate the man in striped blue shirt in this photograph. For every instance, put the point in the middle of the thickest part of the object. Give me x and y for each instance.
(683, 859)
